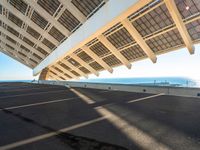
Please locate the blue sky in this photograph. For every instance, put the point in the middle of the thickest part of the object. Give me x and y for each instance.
(177, 63)
(11, 69)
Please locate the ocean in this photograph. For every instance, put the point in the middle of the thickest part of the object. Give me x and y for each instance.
(152, 81)
(156, 81)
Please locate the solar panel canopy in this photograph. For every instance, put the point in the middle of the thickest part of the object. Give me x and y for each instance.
(31, 30)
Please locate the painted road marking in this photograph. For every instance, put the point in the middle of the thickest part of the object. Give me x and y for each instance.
(37, 104)
(135, 134)
(144, 98)
(82, 96)
(50, 134)
(138, 136)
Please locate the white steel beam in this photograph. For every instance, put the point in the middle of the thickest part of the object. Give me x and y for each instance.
(74, 68)
(74, 10)
(176, 16)
(92, 28)
(114, 51)
(84, 64)
(138, 38)
(88, 51)
(48, 17)
(28, 21)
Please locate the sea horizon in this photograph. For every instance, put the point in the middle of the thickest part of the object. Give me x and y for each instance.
(157, 81)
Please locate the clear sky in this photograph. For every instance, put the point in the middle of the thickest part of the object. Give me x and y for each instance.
(11, 69)
(177, 63)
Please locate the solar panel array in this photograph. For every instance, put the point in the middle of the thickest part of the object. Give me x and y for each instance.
(37, 36)
(156, 27)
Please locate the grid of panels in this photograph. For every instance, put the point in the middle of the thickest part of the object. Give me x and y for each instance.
(91, 42)
(65, 66)
(37, 56)
(15, 19)
(73, 62)
(194, 29)
(68, 20)
(144, 9)
(167, 40)
(19, 5)
(56, 34)
(153, 21)
(48, 43)
(85, 57)
(33, 61)
(36, 18)
(32, 32)
(120, 38)
(10, 46)
(86, 6)
(22, 54)
(41, 50)
(28, 41)
(39, 20)
(11, 53)
(111, 60)
(22, 59)
(49, 5)
(194, 7)
(99, 49)
(53, 72)
(133, 52)
(96, 66)
(10, 39)
(113, 28)
(83, 69)
(77, 51)
(75, 73)
(62, 78)
(24, 48)
(13, 31)
(67, 76)
(58, 70)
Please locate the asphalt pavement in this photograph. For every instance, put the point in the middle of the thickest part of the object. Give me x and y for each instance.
(39, 117)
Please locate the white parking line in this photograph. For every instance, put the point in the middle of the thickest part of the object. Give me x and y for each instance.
(31, 94)
(82, 96)
(50, 134)
(135, 134)
(144, 98)
(37, 104)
